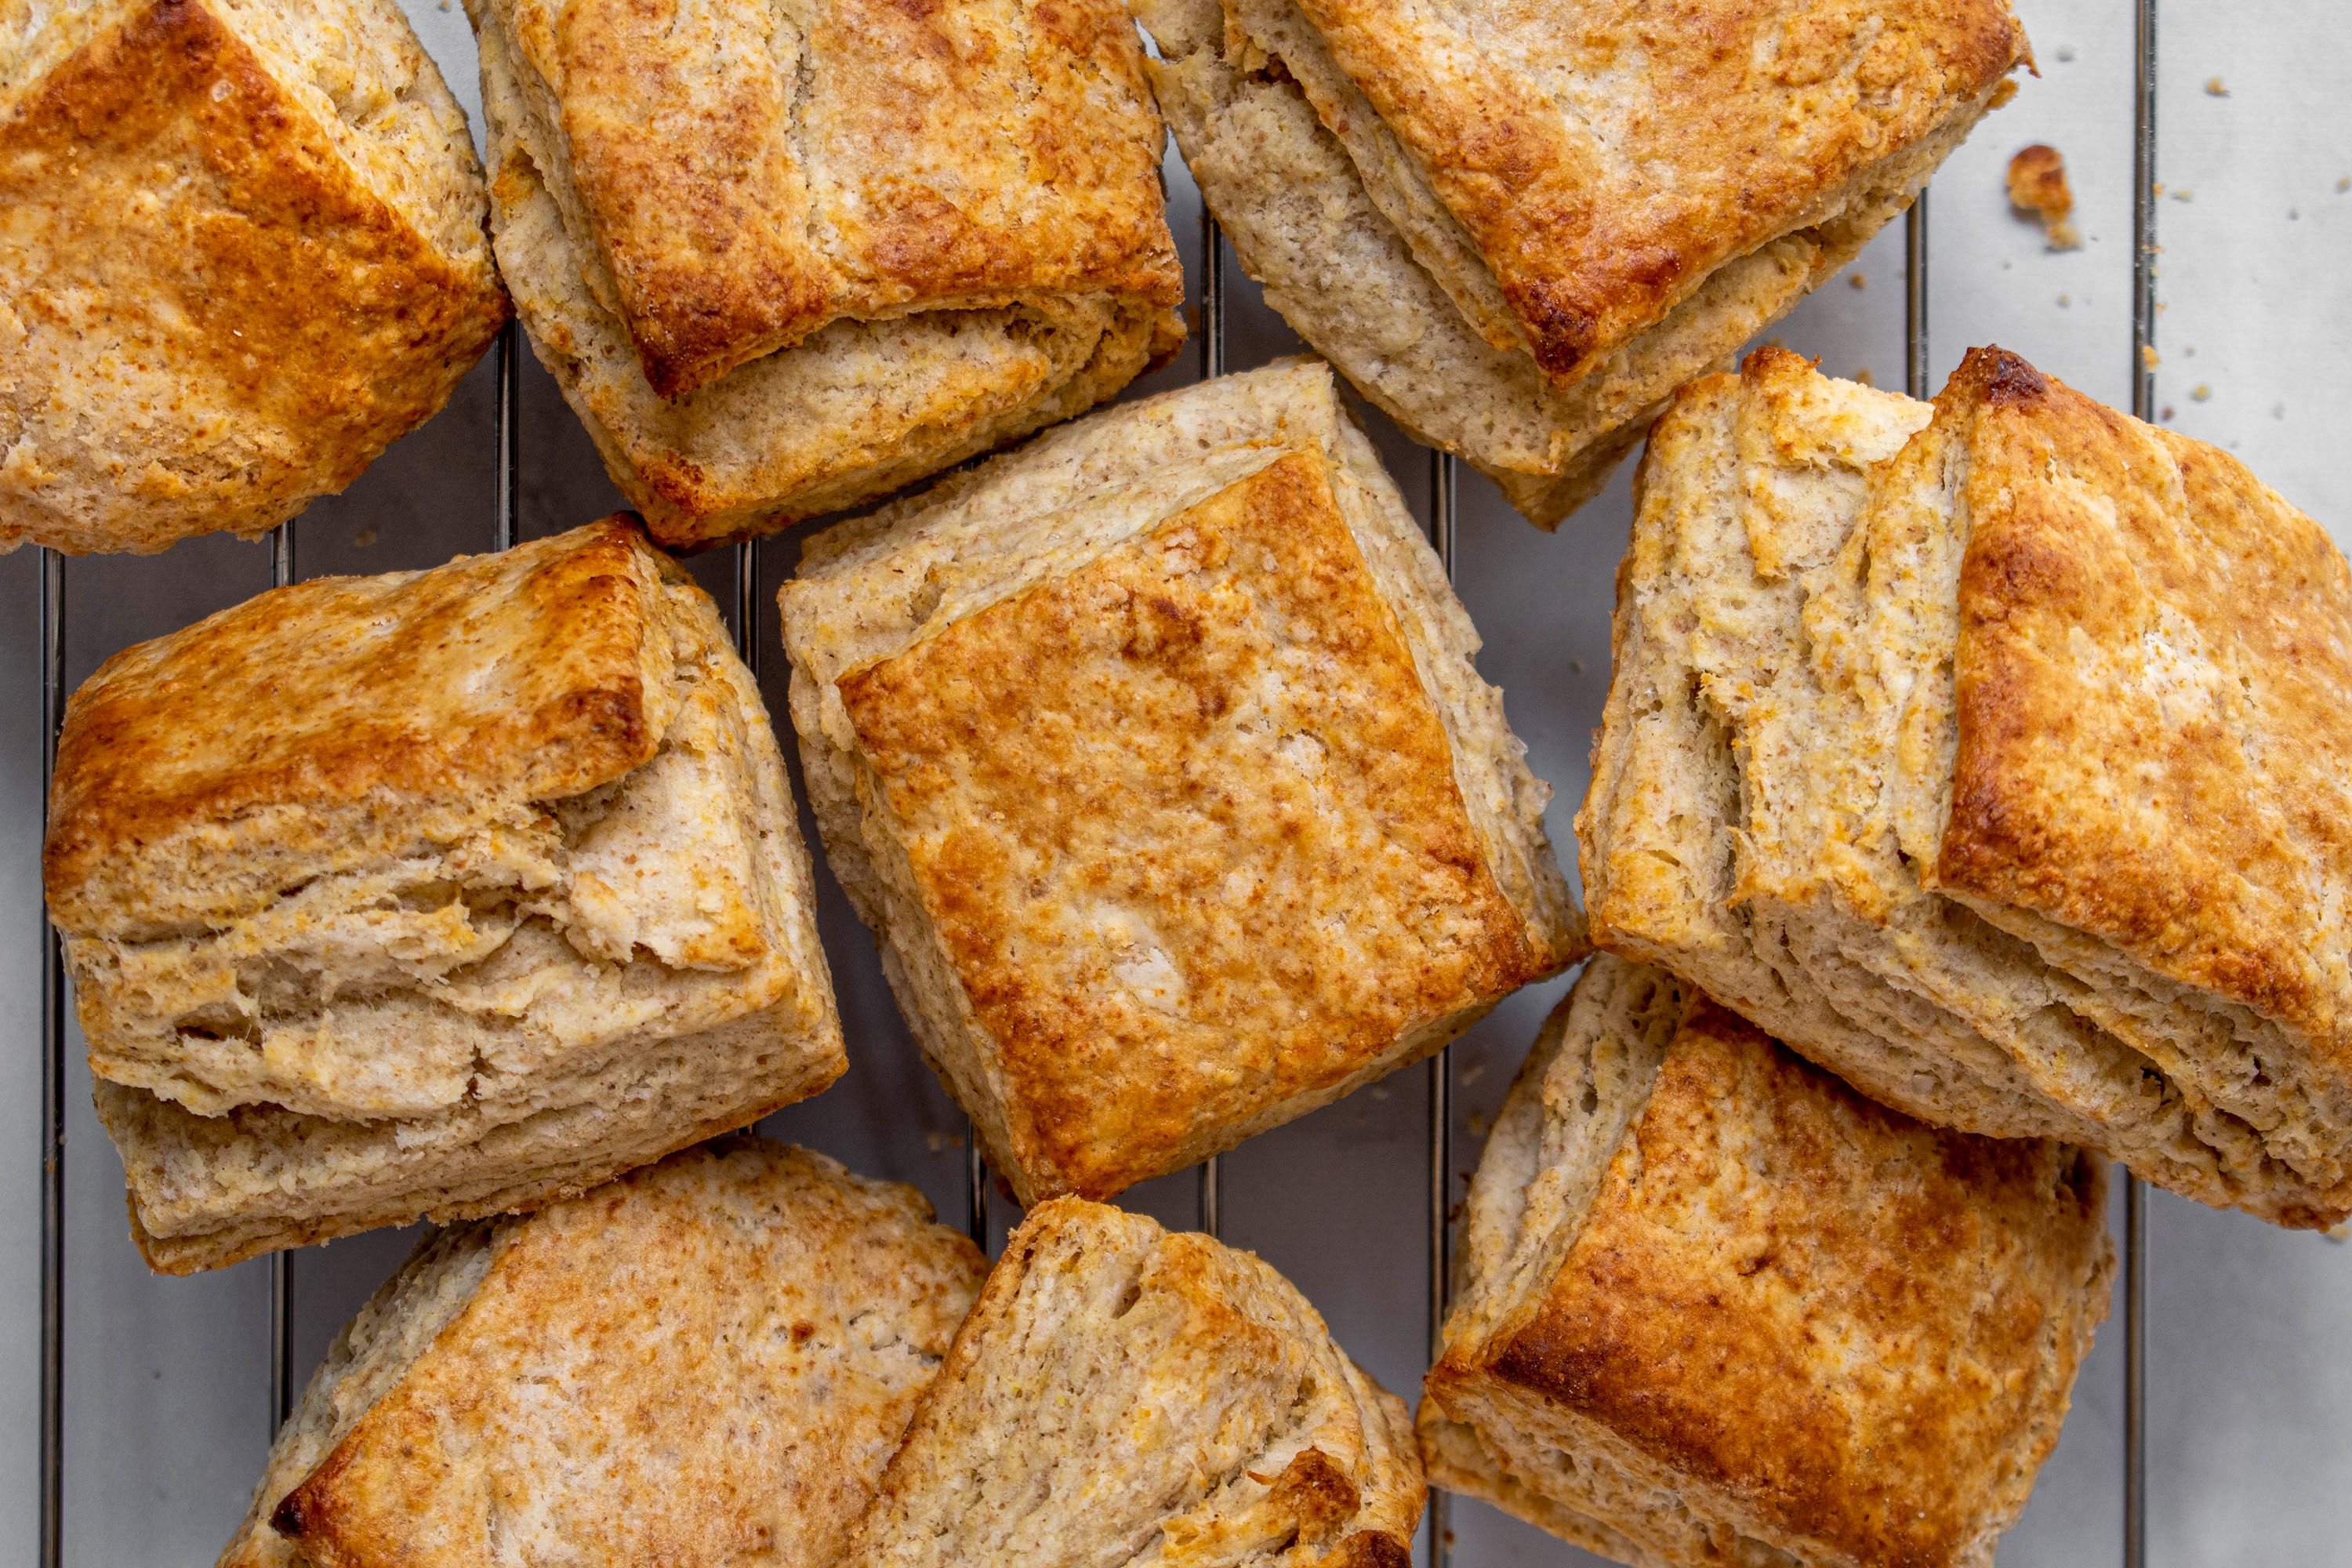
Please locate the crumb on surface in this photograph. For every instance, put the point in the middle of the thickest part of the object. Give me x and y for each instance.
(2199, 392)
(1863, 375)
(1856, 281)
(2164, 414)
(2213, 88)
(2065, 301)
(2147, 356)
(2065, 54)
(2037, 186)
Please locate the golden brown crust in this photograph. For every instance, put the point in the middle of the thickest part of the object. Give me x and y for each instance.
(1857, 1365)
(704, 1364)
(861, 159)
(1189, 830)
(207, 316)
(375, 707)
(1532, 134)
(2153, 744)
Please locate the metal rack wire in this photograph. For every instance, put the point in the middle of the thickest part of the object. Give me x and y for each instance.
(1443, 479)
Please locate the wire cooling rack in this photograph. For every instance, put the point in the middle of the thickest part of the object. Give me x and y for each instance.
(1443, 1180)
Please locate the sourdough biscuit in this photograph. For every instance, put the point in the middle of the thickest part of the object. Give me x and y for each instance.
(244, 253)
(1123, 1395)
(1717, 1308)
(436, 892)
(1518, 227)
(881, 239)
(703, 1365)
(1154, 754)
(2002, 770)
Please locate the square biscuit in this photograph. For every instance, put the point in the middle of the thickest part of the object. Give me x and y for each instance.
(880, 240)
(1123, 1394)
(1518, 229)
(1154, 754)
(1961, 764)
(703, 1364)
(244, 254)
(436, 892)
(1716, 1307)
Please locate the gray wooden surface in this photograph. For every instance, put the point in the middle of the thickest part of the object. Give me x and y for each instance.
(2249, 1352)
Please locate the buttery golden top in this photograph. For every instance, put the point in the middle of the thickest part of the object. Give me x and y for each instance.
(1858, 1327)
(1188, 827)
(752, 171)
(1605, 157)
(704, 1364)
(2154, 743)
(241, 249)
(341, 720)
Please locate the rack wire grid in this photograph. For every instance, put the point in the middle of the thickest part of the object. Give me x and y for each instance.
(145, 1404)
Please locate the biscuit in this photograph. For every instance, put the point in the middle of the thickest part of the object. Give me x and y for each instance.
(1120, 1395)
(1154, 754)
(440, 892)
(244, 255)
(1715, 1306)
(882, 239)
(1516, 231)
(703, 1364)
(1996, 761)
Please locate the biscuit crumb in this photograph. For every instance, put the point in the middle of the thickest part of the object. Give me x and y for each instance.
(1863, 376)
(2147, 356)
(364, 537)
(2199, 392)
(2344, 184)
(2213, 88)
(1856, 281)
(2164, 414)
(2037, 186)
(2065, 301)
(2184, 194)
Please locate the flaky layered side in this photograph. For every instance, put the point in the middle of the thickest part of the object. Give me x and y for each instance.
(1155, 755)
(873, 247)
(1123, 1395)
(245, 254)
(1963, 766)
(708, 1360)
(1713, 1307)
(1363, 223)
(443, 892)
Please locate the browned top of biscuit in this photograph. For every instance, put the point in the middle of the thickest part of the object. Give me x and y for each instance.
(1606, 158)
(2153, 741)
(346, 716)
(207, 313)
(1857, 1329)
(751, 173)
(1187, 825)
(704, 1364)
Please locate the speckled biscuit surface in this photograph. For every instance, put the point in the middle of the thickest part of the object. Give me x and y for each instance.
(1155, 755)
(873, 241)
(705, 1363)
(1518, 227)
(1720, 1308)
(241, 252)
(439, 892)
(1123, 1395)
(1917, 752)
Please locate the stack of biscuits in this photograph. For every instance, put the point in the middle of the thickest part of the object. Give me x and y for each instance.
(1968, 809)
